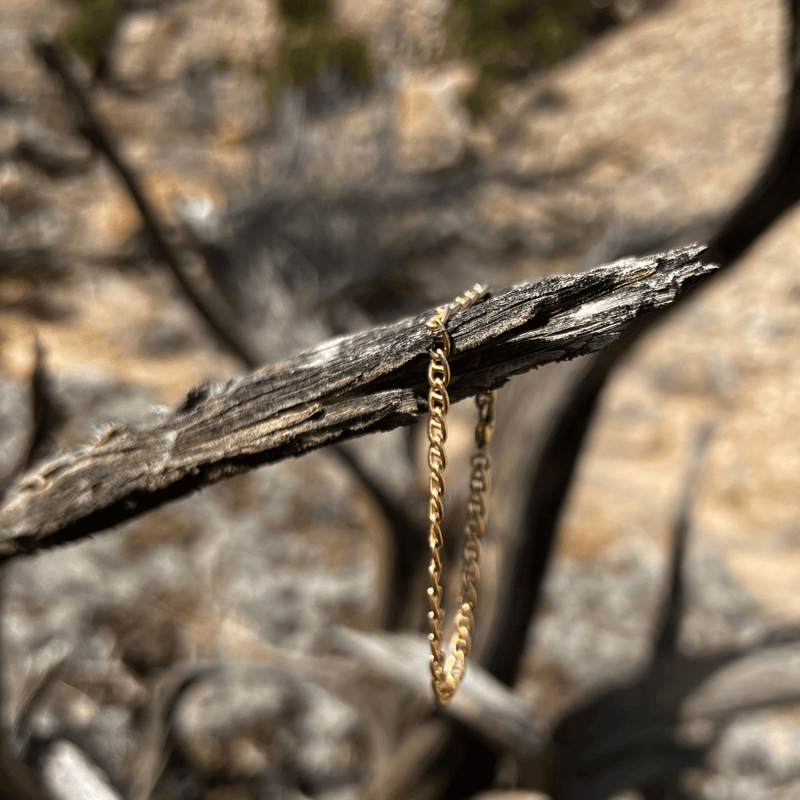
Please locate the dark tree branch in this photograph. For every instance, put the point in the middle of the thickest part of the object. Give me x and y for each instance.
(347, 387)
(408, 539)
(408, 545)
(549, 479)
(775, 192)
(778, 188)
(672, 612)
(217, 317)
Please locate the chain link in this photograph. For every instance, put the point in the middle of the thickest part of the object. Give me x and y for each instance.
(447, 669)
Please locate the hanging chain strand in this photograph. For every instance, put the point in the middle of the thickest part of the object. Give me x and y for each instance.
(447, 669)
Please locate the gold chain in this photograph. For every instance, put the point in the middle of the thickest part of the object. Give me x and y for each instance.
(448, 669)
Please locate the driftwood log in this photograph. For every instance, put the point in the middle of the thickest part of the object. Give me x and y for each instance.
(371, 381)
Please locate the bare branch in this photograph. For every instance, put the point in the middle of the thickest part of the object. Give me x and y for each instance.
(552, 470)
(778, 187)
(672, 612)
(759, 679)
(409, 543)
(484, 705)
(372, 381)
(218, 318)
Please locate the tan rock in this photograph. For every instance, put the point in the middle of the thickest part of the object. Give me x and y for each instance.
(18, 351)
(161, 46)
(18, 360)
(408, 32)
(514, 794)
(170, 190)
(433, 124)
(111, 218)
(20, 75)
(240, 106)
(138, 38)
(15, 191)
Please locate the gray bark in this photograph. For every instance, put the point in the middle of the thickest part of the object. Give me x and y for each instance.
(371, 381)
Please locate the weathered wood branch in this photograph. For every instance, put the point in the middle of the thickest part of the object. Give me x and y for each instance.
(761, 678)
(217, 316)
(211, 309)
(483, 704)
(371, 381)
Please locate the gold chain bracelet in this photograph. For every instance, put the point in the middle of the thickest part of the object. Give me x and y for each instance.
(448, 669)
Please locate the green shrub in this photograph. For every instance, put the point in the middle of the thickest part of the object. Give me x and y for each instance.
(503, 38)
(87, 33)
(312, 43)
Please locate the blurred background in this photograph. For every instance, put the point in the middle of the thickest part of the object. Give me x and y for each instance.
(321, 166)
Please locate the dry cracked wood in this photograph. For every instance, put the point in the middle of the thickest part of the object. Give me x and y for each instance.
(371, 381)
(483, 704)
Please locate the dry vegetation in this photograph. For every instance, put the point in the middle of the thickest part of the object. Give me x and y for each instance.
(194, 192)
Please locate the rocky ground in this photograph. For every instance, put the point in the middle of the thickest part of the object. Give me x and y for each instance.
(185, 654)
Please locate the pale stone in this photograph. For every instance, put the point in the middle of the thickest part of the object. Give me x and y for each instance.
(68, 774)
(433, 124)
(159, 46)
(240, 106)
(171, 190)
(135, 52)
(12, 187)
(514, 794)
(111, 218)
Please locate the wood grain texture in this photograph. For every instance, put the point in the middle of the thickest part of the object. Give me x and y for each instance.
(371, 381)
